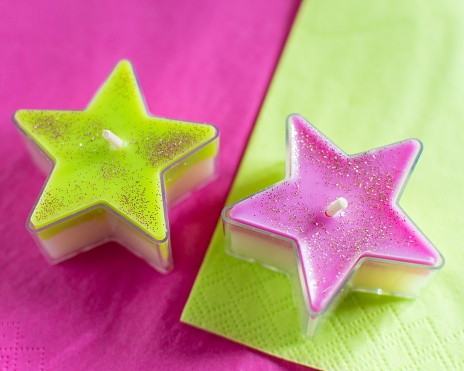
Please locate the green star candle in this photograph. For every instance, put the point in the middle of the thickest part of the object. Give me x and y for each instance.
(113, 172)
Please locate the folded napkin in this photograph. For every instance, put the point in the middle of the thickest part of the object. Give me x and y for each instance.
(366, 74)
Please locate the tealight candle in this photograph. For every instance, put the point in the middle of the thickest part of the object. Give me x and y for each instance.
(114, 170)
(334, 224)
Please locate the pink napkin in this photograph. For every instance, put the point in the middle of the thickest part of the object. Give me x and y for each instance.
(205, 61)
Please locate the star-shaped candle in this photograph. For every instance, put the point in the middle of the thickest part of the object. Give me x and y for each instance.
(115, 170)
(334, 224)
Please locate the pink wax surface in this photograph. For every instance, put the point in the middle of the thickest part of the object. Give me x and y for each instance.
(372, 225)
(204, 61)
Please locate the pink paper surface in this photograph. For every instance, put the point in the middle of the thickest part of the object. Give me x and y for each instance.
(204, 61)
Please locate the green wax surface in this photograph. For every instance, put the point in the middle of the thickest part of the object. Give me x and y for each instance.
(89, 171)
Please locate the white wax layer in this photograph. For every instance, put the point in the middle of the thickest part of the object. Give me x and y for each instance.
(375, 276)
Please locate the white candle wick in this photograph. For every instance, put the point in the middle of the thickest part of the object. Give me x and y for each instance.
(114, 140)
(339, 204)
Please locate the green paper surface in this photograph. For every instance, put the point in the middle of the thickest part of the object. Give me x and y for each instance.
(366, 74)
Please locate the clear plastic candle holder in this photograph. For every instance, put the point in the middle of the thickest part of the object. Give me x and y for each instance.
(95, 192)
(368, 245)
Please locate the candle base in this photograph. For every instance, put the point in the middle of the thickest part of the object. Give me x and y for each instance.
(95, 227)
(282, 254)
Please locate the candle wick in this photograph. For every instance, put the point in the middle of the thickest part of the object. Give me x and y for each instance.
(339, 204)
(113, 139)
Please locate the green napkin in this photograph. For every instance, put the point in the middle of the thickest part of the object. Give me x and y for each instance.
(366, 73)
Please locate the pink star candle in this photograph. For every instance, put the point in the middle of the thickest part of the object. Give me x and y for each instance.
(334, 224)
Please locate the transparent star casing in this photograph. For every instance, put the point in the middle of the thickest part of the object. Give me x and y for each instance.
(371, 246)
(110, 194)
